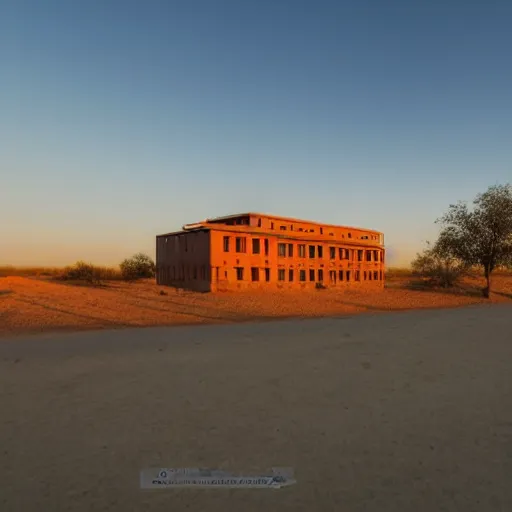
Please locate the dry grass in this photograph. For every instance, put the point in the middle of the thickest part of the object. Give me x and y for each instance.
(43, 304)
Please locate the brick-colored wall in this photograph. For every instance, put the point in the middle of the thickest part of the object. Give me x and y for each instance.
(225, 263)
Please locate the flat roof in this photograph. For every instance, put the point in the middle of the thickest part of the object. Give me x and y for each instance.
(288, 219)
(288, 235)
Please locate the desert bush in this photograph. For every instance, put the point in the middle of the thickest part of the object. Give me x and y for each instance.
(82, 271)
(437, 267)
(139, 266)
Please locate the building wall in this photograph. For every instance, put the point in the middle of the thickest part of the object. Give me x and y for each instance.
(183, 260)
(336, 263)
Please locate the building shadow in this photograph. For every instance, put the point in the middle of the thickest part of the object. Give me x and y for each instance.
(503, 294)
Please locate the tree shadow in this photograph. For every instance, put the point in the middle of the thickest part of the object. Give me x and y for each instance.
(426, 287)
(503, 294)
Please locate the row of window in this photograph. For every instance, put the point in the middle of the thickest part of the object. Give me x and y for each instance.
(312, 275)
(313, 251)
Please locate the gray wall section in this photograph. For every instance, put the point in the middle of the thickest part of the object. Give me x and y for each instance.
(183, 260)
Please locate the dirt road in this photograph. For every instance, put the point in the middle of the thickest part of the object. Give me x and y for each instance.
(397, 412)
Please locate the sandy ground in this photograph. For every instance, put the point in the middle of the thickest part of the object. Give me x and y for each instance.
(376, 413)
(32, 305)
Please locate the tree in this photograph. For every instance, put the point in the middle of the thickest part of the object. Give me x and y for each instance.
(439, 266)
(481, 236)
(138, 266)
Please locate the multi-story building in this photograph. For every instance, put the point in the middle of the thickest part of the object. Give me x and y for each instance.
(253, 250)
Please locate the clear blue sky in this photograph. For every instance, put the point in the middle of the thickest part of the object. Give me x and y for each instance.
(122, 119)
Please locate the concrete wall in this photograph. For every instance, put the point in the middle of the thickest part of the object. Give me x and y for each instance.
(183, 260)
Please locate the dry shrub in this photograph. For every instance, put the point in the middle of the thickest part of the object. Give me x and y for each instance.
(86, 272)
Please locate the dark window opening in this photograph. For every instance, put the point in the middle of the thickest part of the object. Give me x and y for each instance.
(368, 255)
(281, 250)
(240, 244)
(290, 250)
(282, 228)
(255, 274)
(256, 246)
(302, 275)
(332, 276)
(341, 272)
(267, 275)
(320, 251)
(239, 273)
(259, 223)
(348, 275)
(350, 235)
(359, 255)
(311, 274)
(340, 254)
(375, 275)
(290, 275)
(364, 275)
(265, 245)
(332, 253)
(271, 225)
(321, 231)
(280, 274)
(358, 275)
(311, 251)
(302, 251)
(320, 275)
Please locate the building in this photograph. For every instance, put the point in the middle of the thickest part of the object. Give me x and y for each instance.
(253, 250)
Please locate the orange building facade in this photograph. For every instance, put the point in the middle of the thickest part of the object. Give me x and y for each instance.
(259, 251)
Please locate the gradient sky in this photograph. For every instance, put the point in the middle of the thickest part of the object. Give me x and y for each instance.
(123, 119)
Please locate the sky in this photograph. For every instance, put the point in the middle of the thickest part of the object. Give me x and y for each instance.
(122, 119)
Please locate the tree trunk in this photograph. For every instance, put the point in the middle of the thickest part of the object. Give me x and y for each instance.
(487, 289)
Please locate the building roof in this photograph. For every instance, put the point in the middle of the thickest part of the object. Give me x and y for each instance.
(289, 235)
(287, 219)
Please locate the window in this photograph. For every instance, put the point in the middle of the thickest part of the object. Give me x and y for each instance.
(375, 275)
(291, 227)
(368, 255)
(301, 229)
(302, 251)
(255, 245)
(311, 251)
(365, 237)
(290, 275)
(281, 250)
(348, 275)
(380, 275)
(321, 231)
(265, 245)
(364, 275)
(302, 275)
(358, 275)
(290, 250)
(332, 253)
(359, 255)
(375, 255)
(271, 225)
(350, 235)
(341, 253)
(240, 244)
(332, 276)
(255, 274)
(239, 273)
(311, 274)
(369, 276)
(320, 251)
(267, 275)
(282, 228)
(331, 234)
(280, 274)
(259, 223)
(341, 275)
(320, 275)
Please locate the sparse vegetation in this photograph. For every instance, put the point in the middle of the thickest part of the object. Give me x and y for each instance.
(86, 272)
(437, 267)
(481, 236)
(139, 266)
